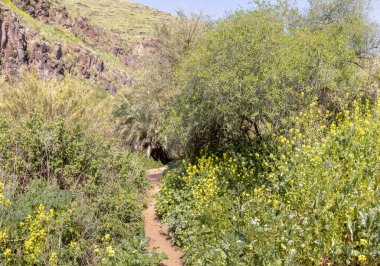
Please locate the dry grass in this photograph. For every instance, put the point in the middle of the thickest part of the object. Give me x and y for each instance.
(127, 20)
(50, 33)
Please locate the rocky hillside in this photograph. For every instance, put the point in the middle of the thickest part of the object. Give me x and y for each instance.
(60, 38)
(127, 20)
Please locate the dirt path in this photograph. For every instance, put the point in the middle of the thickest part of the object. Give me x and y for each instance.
(154, 229)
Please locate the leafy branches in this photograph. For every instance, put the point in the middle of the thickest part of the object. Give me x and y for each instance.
(142, 110)
(268, 64)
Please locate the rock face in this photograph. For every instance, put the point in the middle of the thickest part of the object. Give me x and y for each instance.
(47, 11)
(83, 30)
(21, 46)
(58, 51)
(89, 64)
(48, 66)
(13, 43)
(52, 12)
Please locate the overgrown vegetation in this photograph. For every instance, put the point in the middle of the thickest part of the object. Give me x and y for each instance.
(272, 113)
(258, 68)
(304, 199)
(141, 111)
(69, 194)
(276, 112)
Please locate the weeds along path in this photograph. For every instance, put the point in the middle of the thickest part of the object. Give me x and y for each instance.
(158, 233)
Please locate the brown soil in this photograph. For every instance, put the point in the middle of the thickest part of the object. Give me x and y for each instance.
(158, 234)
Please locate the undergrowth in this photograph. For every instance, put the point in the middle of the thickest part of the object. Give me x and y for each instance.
(312, 197)
(70, 194)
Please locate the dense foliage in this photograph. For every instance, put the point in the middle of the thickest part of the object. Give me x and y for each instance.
(258, 68)
(141, 111)
(275, 112)
(313, 198)
(69, 194)
(280, 108)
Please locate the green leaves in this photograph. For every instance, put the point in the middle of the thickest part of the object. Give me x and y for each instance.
(51, 156)
(257, 68)
(313, 199)
(141, 111)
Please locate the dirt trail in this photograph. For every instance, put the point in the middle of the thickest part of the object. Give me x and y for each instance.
(154, 229)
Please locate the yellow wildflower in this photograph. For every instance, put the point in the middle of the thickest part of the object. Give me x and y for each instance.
(363, 242)
(53, 258)
(96, 249)
(110, 252)
(8, 253)
(3, 237)
(107, 237)
(362, 259)
(7, 202)
(73, 244)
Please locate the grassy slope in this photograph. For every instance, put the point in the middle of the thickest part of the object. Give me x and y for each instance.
(129, 21)
(51, 33)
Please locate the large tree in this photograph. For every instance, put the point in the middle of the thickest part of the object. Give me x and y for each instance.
(257, 68)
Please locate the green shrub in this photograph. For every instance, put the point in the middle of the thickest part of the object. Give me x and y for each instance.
(72, 98)
(313, 200)
(258, 68)
(69, 194)
(140, 111)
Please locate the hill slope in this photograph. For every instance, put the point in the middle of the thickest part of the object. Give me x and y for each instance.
(70, 37)
(127, 20)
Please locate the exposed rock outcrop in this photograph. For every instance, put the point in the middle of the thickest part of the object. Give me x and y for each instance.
(47, 65)
(52, 12)
(83, 30)
(58, 51)
(47, 11)
(21, 46)
(12, 40)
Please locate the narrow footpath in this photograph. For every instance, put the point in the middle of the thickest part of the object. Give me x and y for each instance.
(158, 234)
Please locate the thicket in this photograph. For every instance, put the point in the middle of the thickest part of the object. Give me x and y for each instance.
(69, 194)
(307, 197)
(277, 112)
(256, 69)
(141, 112)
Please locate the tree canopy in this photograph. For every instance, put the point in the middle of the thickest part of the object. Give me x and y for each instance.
(257, 68)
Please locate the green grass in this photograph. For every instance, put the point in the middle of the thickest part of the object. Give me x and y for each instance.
(50, 33)
(54, 34)
(147, 162)
(127, 20)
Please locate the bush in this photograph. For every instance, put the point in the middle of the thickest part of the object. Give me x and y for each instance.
(258, 68)
(70, 195)
(73, 99)
(315, 200)
(140, 111)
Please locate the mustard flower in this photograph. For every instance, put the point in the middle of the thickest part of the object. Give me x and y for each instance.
(362, 259)
(110, 252)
